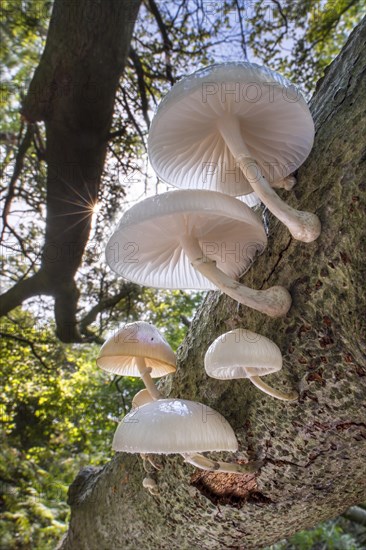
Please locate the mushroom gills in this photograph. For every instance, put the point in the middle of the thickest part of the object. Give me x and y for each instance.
(303, 226)
(241, 353)
(179, 426)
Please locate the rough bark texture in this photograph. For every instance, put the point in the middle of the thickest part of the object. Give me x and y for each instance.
(314, 449)
(73, 92)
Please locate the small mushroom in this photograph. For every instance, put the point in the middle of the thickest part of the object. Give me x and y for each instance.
(150, 484)
(287, 183)
(194, 240)
(235, 128)
(170, 426)
(241, 353)
(138, 349)
(141, 398)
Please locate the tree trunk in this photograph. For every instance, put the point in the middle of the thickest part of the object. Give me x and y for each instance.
(314, 449)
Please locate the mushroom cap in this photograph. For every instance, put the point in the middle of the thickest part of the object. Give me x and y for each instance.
(139, 339)
(186, 148)
(150, 484)
(168, 426)
(141, 398)
(228, 231)
(241, 353)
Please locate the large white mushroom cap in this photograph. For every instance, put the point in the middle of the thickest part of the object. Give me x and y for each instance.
(241, 353)
(118, 354)
(186, 148)
(145, 247)
(169, 426)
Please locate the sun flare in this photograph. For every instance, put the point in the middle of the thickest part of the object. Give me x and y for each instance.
(96, 208)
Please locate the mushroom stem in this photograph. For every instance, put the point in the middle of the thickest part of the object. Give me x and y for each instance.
(257, 381)
(205, 463)
(146, 378)
(146, 458)
(275, 301)
(303, 226)
(287, 183)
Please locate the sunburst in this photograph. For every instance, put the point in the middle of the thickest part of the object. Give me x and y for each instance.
(88, 206)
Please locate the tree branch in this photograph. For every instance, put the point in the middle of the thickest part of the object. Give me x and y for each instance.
(27, 343)
(127, 290)
(23, 290)
(242, 31)
(131, 116)
(167, 45)
(141, 85)
(18, 167)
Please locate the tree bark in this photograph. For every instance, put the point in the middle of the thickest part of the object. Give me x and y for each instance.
(73, 92)
(314, 449)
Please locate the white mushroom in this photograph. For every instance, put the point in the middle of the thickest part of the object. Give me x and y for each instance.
(150, 484)
(194, 240)
(241, 353)
(235, 128)
(141, 398)
(170, 426)
(138, 349)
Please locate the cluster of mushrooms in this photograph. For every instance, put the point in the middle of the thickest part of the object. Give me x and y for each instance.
(227, 136)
